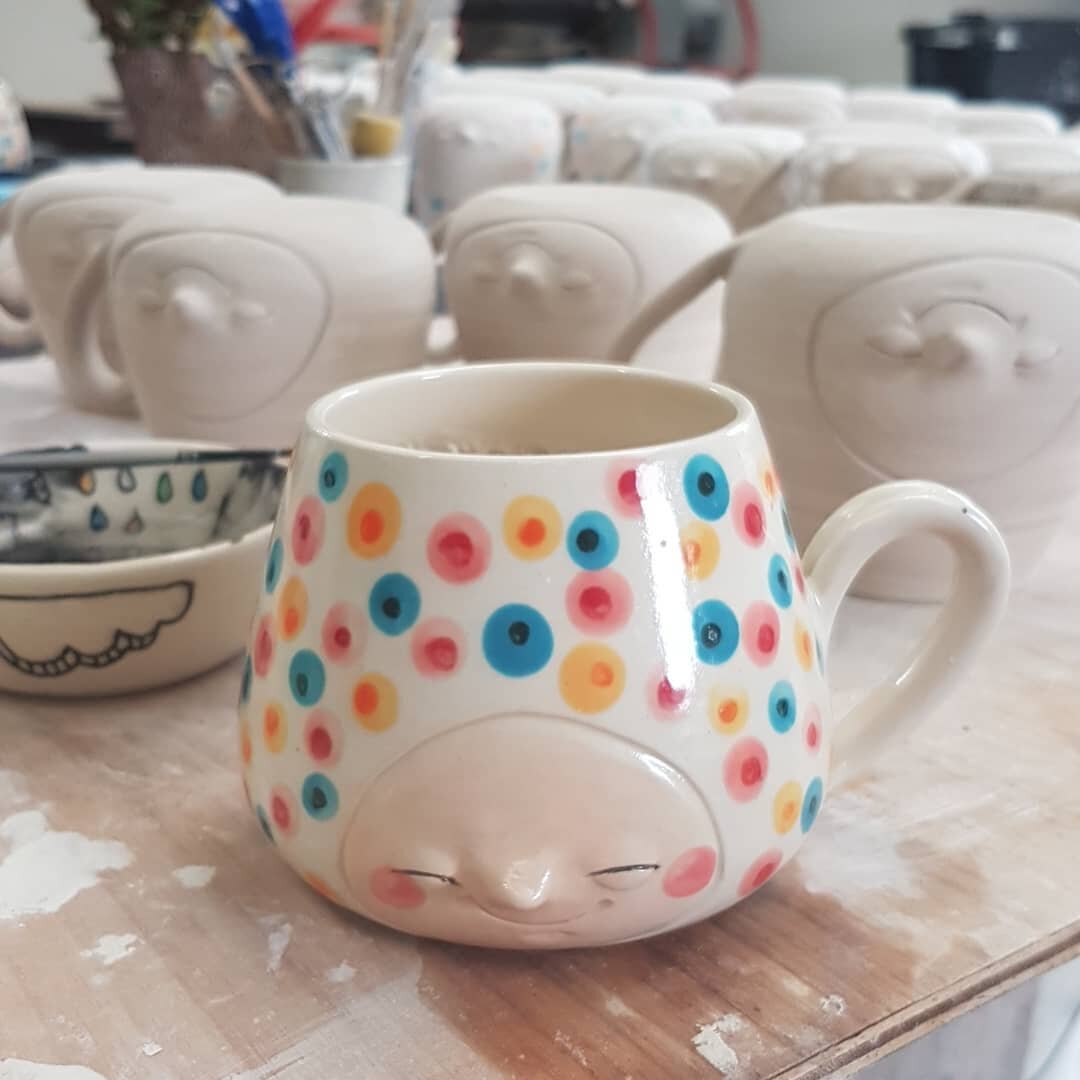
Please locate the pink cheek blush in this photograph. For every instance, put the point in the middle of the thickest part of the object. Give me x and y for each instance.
(690, 872)
(396, 890)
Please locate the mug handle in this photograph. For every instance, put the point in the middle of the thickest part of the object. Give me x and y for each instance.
(88, 378)
(673, 299)
(16, 331)
(857, 531)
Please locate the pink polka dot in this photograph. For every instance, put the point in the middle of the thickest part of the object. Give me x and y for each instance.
(748, 514)
(812, 728)
(745, 769)
(459, 548)
(690, 872)
(599, 602)
(667, 700)
(283, 811)
(323, 737)
(397, 890)
(438, 647)
(344, 633)
(623, 485)
(760, 633)
(800, 581)
(308, 526)
(759, 871)
(263, 652)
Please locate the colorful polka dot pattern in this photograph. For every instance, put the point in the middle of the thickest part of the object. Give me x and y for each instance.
(320, 678)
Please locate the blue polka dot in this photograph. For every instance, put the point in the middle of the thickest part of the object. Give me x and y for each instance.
(716, 632)
(782, 706)
(319, 796)
(333, 476)
(787, 527)
(307, 677)
(706, 487)
(394, 604)
(199, 486)
(780, 581)
(264, 823)
(820, 654)
(811, 803)
(245, 681)
(592, 540)
(517, 640)
(273, 565)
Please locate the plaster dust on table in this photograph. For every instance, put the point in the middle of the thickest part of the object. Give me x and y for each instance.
(111, 948)
(343, 973)
(151, 1049)
(279, 934)
(834, 1004)
(15, 1069)
(44, 869)
(195, 877)
(12, 789)
(564, 1040)
(617, 1007)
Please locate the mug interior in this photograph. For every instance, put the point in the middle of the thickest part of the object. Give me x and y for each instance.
(525, 409)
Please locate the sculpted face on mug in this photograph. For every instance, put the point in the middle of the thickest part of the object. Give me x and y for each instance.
(247, 317)
(914, 370)
(893, 174)
(544, 284)
(549, 832)
(725, 175)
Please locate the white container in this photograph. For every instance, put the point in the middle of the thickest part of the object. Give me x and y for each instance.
(381, 180)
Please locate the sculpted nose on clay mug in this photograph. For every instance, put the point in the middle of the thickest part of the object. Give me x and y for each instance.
(929, 341)
(536, 662)
(232, 317)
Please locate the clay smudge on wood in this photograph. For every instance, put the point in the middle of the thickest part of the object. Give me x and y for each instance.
(710, 1043)
(834, 1004)
(279, 934)
(343, 973)
(195, 877)
(111, 948)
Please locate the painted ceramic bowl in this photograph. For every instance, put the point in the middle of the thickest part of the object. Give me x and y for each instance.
(119, 578)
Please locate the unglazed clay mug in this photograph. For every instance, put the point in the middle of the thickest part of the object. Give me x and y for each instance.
(515, 696)
(800, 104)
(232, 316)
(899, 105)
(929, 341)
(1040, 171)
(15, 151)
(738, 168)
(712, 91)
(467, 144)
(556, 270)
(61, 220)
(1001, 118)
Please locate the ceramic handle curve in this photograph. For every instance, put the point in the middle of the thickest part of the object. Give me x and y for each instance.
(672, 299)
(16, 331)
(89, 381)
(843, 545)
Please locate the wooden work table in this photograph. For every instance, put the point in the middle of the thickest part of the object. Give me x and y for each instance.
(937, 881)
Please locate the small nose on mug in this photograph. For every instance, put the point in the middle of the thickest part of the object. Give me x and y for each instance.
(528, 272)
(191, 305)
(513, 890)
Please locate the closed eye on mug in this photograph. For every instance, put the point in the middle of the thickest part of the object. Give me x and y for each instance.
(624, 877)
(446, 879)
(250, 310)
(149, 299)
(576, 279)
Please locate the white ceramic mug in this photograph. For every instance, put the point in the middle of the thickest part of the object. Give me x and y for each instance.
(608, 78)
(556, 270)
(928, 341)
(381, 180)
(467, 144)
(231, 317)
(61, 220)
(798, 105)
(1030, 170)
(1002, 118)
(738, 168)
(883, 162)
(900, 105)
(711, 90)
(609, 141)
(15, 151)
(568, 687)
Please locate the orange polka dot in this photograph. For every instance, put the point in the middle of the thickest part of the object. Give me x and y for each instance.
(804, 646)
(292, 609)
(591, 678)
(275, 729)
(321, 887)
(245, 742)
(374, 521)
(700, 549)
(375, 702)
(768, 482)
(531, 527)
(786, 807)
(728, 709)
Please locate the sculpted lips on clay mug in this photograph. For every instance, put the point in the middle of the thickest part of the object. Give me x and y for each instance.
(537, 665)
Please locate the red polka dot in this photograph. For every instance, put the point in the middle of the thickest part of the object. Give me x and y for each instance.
(279, 811)
(532, 531)
(745, 769)
(344, 633)
(690, 872)
(307, 531)
(800, 581)
(323, 737)
(283, 811)
(371, 526)
(812, 728)
(264, 646)
(667, 700)
(749, 514)
(396, 890)
(599, 602)
(625, 493)
(759, 871)
(438, 647)
(459, 548)
(760, 633)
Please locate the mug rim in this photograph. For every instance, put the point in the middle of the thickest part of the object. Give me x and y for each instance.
(316, 423)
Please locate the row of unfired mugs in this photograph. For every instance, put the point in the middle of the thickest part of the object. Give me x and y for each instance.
(877, 341)
(754, 151)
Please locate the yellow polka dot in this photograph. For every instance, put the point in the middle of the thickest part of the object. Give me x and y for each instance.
(591, 678)
(728, 709)
(786, 807)
(700, 549)
(374, 702)
(374, 521)
(275, 728)
(769, 482)
(532, 527)
(292, 607)
(804, 646)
